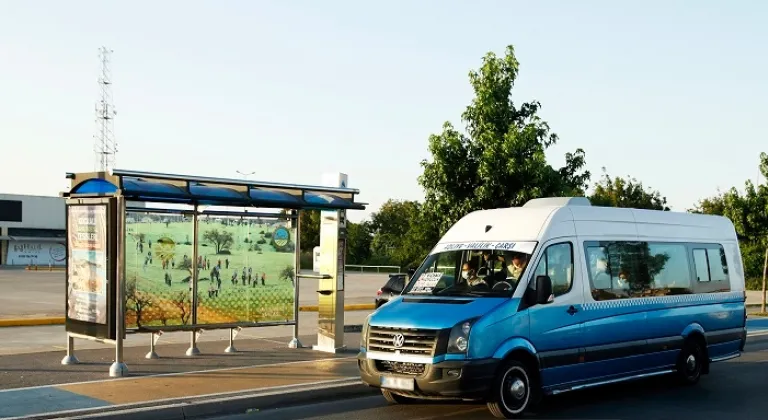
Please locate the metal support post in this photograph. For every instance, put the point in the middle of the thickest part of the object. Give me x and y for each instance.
(118, 368)
(193, 350)
(231, 348)
(152, 354)
(295, 343)
(70, 358)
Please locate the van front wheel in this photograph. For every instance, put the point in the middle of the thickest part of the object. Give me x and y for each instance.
(511, 392)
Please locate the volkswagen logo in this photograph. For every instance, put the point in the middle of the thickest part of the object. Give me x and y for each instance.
(398, 340)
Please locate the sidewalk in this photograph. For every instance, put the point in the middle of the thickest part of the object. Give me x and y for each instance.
(36, 383)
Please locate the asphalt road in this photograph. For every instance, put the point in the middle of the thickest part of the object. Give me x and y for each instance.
(734, 389)
(41, 293)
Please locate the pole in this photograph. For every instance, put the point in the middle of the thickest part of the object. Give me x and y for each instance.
(118, 368)
(70, 358)
(765, 274)
(231, 348)
(152, 354)
(295, 342)
(193, 350)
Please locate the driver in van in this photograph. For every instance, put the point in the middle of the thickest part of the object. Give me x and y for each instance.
(469, 274)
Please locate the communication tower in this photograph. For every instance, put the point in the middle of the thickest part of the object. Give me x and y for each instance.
(105, 145)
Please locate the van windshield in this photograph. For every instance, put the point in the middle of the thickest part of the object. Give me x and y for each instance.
(471, 271)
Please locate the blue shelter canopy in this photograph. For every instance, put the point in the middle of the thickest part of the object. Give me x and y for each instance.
(186, 189)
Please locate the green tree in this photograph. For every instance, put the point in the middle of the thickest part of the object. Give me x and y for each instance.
(310, 230)
(500, 161)
(359, 238)
(749, 213)
(221, 240)
(403, 234)
(628, 193)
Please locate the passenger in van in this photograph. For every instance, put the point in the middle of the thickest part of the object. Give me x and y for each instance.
(518, 265)
(601, 279)
(469, 274)
(492, 273)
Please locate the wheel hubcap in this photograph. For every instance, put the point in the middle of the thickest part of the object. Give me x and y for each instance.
(691, 363)
(517, 389)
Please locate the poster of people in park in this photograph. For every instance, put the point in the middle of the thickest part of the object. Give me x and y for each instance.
(87, 265)
(245, 269)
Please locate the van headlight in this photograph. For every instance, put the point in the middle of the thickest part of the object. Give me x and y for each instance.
(364, 333)
(458, 341)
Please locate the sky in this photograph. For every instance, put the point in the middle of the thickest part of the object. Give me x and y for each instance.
(672, 93)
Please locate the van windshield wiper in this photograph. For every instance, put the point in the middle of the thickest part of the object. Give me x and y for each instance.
(454, 291)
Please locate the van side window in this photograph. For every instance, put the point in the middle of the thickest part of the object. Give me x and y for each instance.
(557, 263)
(710, 263)
(671, 270)
(619, 270)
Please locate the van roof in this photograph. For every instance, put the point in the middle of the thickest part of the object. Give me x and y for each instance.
(545, 218)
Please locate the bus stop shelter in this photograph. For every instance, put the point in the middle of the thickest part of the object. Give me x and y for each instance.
(151, 252)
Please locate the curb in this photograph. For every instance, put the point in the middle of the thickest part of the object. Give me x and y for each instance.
(57, 320)
(40, 268)
(218, 405)
(350, 307)
(32, 322)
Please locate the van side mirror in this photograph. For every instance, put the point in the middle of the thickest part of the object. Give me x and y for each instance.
(544, 292)
(411, 272)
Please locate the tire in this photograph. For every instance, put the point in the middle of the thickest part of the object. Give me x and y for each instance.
(691, 363)
(393, 398)
(513, 392)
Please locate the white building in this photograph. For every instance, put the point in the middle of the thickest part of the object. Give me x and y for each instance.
(32, 230)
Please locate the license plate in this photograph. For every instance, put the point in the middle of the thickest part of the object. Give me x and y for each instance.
(392, 382)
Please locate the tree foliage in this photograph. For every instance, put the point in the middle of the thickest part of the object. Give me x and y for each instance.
(402, 233)
(221, 240)
(500, 161)
(359, 239)
(749, 213)
(626, 192)
(309, 230)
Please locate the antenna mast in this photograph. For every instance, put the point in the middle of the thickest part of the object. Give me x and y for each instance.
(105, 145)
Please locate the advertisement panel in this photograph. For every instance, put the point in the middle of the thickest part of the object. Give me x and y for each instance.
(246, 270)
(87, 269)
(158, 269)
(36, 253)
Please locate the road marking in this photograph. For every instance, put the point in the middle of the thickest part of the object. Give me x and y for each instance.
(116, 409)
(179, 373)
(457, 413)
(757, 333)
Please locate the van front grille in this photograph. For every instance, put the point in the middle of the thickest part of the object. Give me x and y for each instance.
(416, 342)
(402, 368)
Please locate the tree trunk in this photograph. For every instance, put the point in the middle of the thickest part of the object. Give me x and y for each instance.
(765, 274)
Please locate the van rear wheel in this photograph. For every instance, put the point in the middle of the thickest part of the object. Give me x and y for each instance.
(690, 363)
(513, 391)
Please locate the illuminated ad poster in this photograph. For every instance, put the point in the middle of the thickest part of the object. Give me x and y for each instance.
(245, 270)
(87, 265)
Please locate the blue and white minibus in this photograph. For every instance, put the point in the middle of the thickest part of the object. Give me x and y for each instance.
(518, 303)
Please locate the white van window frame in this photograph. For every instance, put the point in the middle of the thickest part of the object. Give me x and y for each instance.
(694, 287)
(542, 258)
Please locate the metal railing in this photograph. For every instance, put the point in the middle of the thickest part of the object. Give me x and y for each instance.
(372, 268)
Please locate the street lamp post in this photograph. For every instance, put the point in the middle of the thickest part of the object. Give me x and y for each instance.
(245, 174)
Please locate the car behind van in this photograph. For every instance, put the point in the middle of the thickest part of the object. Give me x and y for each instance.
(519, 303)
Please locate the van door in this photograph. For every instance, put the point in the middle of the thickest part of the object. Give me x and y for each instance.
(555, 328)
(614, 321)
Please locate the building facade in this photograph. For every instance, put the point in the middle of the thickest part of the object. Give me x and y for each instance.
(32, 230)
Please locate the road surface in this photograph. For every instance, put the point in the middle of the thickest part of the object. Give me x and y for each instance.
(734, 389)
